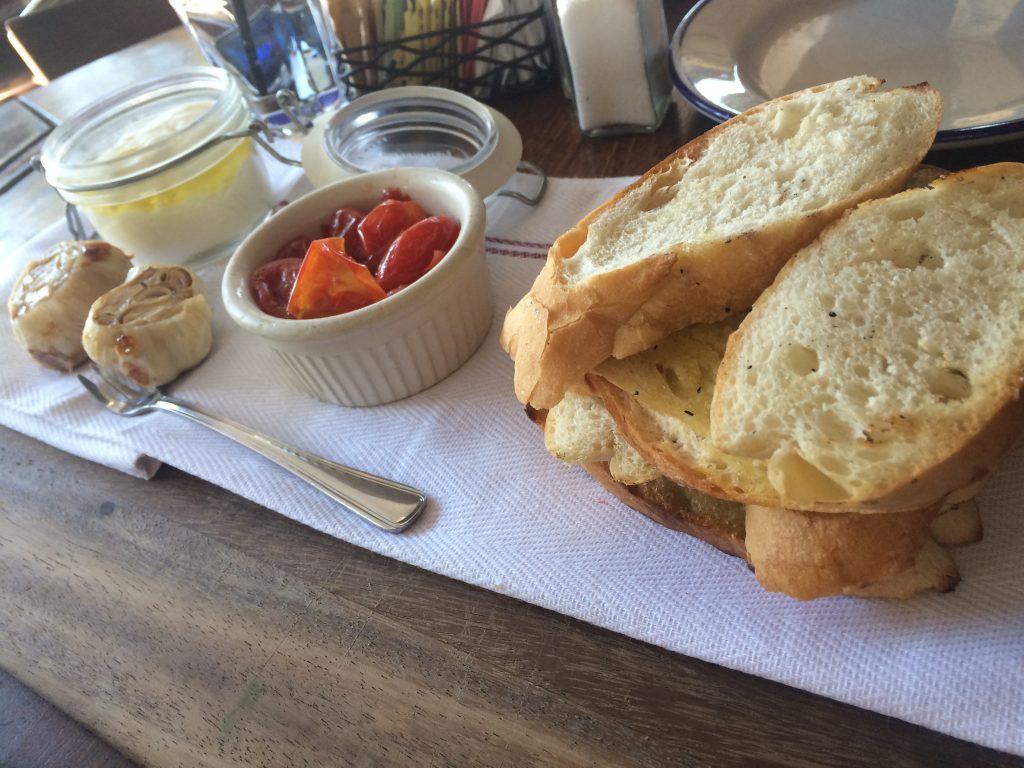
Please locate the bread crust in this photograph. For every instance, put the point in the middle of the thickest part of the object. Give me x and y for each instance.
(808, 555)
(559, 331)
(933, 570)
(804, 555)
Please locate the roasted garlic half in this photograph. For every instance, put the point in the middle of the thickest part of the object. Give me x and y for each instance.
(52, 296)
(151, 328)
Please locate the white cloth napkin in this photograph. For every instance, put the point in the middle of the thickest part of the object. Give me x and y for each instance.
(506, 516)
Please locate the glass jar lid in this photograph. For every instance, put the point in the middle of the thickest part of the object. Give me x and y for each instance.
(420, 126)
(142, 129)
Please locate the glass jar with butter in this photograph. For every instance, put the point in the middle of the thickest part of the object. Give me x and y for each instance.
(149, 167)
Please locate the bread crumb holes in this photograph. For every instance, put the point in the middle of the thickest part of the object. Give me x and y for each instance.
(948, 384)
(801, 360)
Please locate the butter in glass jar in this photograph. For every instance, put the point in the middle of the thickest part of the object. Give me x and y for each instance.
(132, 163)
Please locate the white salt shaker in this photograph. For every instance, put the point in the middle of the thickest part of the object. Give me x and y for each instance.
(615, 59)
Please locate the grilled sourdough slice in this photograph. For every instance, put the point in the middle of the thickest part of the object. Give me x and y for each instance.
(883, 368)
(658, 406)
(705, 231)
(660, 400)
(661, 403)
(805, 555)
(580, 431)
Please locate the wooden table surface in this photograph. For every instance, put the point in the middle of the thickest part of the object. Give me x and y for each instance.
(171, 623)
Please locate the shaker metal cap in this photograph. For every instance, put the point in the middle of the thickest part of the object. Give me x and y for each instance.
(414, 126)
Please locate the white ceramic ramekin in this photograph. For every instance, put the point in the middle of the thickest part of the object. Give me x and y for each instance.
(402, 344)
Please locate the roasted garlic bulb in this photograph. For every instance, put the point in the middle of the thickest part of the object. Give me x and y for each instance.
(151, 328)
(52, 296)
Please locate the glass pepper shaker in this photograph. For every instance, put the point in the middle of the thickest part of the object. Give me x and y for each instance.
(615, 63)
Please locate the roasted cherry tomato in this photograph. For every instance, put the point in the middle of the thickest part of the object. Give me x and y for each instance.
(294, 249)
(394, 193)
(271, 285)
(330, 283)
(416, 250)
(344, 223)
(385, 222)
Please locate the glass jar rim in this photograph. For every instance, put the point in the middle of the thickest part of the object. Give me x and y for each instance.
(362, 136)
(70, 157)
(448, 130)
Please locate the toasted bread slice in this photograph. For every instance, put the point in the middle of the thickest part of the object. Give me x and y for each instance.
(812, 554)
(805, 555)
(579, 430)
(883, 368)
(660, 401)
(704, 232)
(933, 571)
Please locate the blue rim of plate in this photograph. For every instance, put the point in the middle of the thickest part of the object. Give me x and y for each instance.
(718, 113)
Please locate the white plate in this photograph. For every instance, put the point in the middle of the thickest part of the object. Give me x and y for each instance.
(729, 55)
